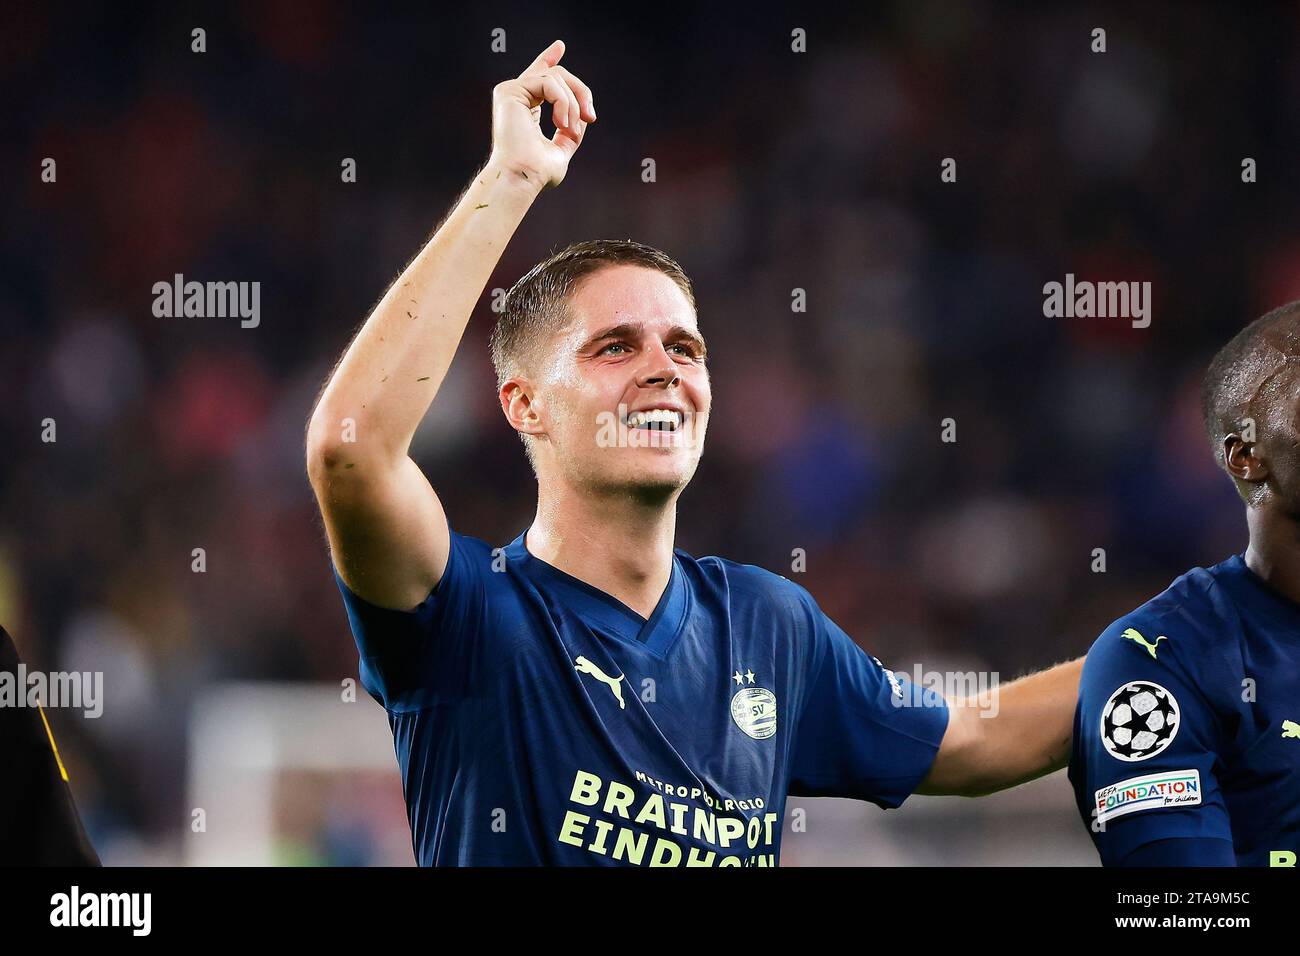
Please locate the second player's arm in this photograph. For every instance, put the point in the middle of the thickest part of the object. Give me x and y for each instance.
(1027, 737)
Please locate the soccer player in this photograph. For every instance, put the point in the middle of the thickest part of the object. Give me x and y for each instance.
(1187, 734)
(589, 694)
(39, 823)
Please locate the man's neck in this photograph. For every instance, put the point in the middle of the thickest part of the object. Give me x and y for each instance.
(1274, 552)
(615, 543)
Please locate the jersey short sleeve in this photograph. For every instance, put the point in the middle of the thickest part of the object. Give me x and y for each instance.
(414, 659)
(864, 731)
(1146, 744)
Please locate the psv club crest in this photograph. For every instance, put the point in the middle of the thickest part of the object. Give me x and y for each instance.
(753, 708)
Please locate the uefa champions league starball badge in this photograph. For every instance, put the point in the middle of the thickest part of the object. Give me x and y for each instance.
(1139, 721)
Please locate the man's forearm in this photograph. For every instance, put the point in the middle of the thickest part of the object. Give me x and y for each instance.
(395, 365)
(1031, 732)
(1026, 735)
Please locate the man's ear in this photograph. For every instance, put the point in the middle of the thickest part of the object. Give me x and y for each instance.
(1243, 459)
(516, 397)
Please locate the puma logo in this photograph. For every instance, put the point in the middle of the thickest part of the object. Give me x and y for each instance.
(1137, 638)
(1290, 728)
(584, 666)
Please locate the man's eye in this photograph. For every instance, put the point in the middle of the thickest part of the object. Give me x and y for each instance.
(612, 345)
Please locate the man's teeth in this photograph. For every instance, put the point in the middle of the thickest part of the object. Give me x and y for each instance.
(659, 419)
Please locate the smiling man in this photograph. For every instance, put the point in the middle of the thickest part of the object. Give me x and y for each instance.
(590, 694)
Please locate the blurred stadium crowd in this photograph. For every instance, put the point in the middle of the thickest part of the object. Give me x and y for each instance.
(774, 171)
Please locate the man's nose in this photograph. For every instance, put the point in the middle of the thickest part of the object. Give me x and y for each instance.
(661, 370)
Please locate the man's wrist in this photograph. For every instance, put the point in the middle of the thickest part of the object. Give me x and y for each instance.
(512, 176)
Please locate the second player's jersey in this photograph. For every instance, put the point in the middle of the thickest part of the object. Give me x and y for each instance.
(1188, 724)
(538, 720)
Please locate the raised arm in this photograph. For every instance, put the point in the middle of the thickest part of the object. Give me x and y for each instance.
(1027, 736)
(388, 533)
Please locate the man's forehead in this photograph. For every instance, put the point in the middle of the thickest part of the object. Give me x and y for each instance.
(1283, 339)
(630, 294)
(630, 324)
(1277, 348)
(1273, 366)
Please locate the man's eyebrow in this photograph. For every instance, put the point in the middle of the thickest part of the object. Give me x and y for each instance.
(632, 330)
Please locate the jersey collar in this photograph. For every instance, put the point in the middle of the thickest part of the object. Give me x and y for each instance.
(603, 611)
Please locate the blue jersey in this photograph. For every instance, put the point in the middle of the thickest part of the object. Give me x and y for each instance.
(1187, 733)
(538, 720)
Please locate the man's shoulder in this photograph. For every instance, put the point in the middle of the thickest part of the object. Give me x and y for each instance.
(1190, 628)
(739, 573)
(748, 582)
(473, 547)
(1195, 605)
(480, 559)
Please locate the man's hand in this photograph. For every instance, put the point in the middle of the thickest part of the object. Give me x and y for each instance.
(518, 144)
